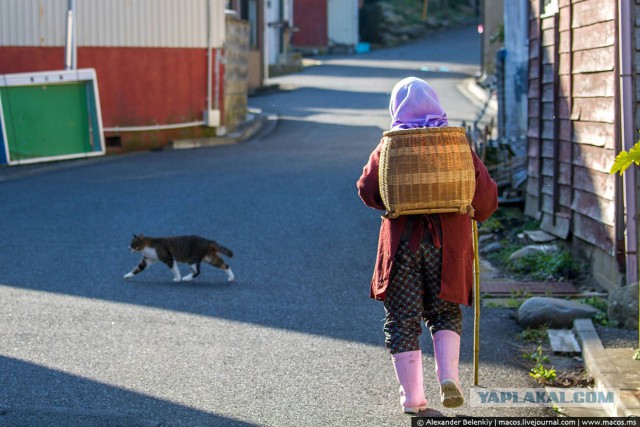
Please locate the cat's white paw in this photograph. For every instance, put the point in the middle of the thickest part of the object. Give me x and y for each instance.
(230, 275)
(128, 275)
(187, 278)
(177, 279)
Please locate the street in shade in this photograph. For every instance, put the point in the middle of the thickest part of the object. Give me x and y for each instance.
(295, 339)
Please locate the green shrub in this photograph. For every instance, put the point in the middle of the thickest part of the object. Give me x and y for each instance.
(546, 266)
(596, 302)
(540, 372)
(507, 224)
(601, 318)
(534, 335)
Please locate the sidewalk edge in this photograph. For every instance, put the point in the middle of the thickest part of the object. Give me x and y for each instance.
(244, 131)
(470, 89)
(603, 371)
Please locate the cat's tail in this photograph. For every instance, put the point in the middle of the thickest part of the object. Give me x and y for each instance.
(221, 249)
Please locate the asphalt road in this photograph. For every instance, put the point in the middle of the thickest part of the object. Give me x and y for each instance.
(295, 340)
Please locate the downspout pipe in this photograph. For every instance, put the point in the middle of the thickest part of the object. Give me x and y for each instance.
(209, 54)
(71, 47)
(216, 87)
(627, 132)
(212, 113)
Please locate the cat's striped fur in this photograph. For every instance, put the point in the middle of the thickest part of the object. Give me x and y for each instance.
(191, 250)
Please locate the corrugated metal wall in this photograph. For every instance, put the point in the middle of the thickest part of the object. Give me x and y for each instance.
(123, 23)
(343, 22)
(31, 23)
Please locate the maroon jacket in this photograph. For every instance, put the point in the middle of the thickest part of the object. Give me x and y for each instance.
(457, 246)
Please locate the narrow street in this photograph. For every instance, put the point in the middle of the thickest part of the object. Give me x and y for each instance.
(295, 340)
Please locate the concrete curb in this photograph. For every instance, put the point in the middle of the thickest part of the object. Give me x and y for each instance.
(258, 122)
(245, 130)
(479, 96)
(604, 372)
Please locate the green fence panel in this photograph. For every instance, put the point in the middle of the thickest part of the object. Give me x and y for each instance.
(51, 120)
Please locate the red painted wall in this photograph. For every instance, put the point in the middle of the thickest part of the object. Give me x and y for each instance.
(142, 86)
(310, 16)
(137, 86)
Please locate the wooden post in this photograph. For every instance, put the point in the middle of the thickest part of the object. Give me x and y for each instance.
(476, 303)
(425, 8)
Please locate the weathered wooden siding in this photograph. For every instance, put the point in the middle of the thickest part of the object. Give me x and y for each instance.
(636, 69)
(572, 130)
(637, 63)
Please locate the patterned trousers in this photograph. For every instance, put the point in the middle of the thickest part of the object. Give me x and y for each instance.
(412, 296)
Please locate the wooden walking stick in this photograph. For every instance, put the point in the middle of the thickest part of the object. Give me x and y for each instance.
(476, 303)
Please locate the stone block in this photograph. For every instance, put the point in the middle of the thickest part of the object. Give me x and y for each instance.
(552, 312)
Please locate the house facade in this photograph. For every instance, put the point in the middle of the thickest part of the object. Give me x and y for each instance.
(311, 19)
(270, 33)
(324, 25)
(582, 111)
(159, 63)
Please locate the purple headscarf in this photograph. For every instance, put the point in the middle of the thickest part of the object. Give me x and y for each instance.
(414, 104)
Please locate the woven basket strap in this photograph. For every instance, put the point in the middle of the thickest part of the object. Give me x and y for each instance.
(465, 210)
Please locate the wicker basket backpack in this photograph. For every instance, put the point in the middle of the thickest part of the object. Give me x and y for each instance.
(426, 170)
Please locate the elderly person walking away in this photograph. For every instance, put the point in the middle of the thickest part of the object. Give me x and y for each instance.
(424, 266)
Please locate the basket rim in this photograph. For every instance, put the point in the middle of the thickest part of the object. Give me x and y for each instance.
(426, 130)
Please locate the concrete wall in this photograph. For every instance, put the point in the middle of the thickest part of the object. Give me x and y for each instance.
(236, 79)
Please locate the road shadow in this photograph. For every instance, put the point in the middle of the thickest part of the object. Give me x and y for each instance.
(287, 205)
(35, 395)
(304, 243)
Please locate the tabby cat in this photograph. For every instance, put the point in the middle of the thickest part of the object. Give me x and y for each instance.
(191, 250)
